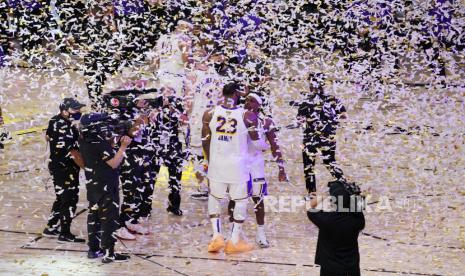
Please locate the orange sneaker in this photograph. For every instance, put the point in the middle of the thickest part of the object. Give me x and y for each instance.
(216, 244)
(240, 247)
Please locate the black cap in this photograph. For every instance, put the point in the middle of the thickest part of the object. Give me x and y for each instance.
(316, 79)
(71, 103)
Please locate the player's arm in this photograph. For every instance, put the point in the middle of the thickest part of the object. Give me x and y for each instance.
(185, 48)
(154, 55)
(251, 122)
(275, 150)
(189, 96)
(206, 133)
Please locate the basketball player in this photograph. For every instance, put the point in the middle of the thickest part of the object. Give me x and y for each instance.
(266, 130)
(226, 131)
(205, 93)
(172, 57)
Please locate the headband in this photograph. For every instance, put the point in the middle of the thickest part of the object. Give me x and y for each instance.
(256, 97)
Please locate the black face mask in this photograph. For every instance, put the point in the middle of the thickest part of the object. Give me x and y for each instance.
(75, 116)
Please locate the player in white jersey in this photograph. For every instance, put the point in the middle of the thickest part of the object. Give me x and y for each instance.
(205, 88)
(172, 53)
(226, 132)
(257, 184)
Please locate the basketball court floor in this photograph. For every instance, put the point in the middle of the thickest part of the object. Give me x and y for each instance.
(404, 145)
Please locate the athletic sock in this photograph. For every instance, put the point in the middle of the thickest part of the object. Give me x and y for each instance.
(261, 230)
(236, 232)
(216, 226)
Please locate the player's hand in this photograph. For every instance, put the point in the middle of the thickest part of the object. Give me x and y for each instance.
(125, 141)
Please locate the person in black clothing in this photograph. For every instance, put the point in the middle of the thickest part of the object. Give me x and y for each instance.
(103, 50)
(135, 178)
(337, 247)
(64, 165)
(168, 152)
(319, 113)
(4, 134)
(101, 169)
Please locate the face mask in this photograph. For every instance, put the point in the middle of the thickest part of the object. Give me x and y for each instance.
(75, 116)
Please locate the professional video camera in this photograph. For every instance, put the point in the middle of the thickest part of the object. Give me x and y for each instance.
(124, 101)
(96, 126)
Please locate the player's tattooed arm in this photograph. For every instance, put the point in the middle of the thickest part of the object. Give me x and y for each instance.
(270, 132)
(251, 122)
(206, 132)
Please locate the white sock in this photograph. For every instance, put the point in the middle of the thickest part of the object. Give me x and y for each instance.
(236, 232)
(261, 230)
(216, 226)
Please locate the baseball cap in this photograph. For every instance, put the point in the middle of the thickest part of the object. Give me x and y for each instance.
(71, 103)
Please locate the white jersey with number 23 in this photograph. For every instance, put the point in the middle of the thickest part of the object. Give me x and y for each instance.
(229, 146)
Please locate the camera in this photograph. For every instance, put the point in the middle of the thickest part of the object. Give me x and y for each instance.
(123, 101)
(95, 126)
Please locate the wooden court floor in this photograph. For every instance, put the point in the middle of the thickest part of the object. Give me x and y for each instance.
(416, 225)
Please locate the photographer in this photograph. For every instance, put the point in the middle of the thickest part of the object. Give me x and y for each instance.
(64, 165)
(319, 114)
(101, 169)
(337, 247)
(135, 176)
(168, 147)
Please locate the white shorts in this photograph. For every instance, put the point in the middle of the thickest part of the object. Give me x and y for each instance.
(237, 191)
(257, 187)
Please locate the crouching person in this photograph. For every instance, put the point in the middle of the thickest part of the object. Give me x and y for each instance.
(101, 169)
(337, 247)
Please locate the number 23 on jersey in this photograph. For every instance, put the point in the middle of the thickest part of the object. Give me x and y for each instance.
(226, 126)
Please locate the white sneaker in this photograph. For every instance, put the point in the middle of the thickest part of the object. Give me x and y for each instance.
(261, 240)
(124, 234)
(137, 228)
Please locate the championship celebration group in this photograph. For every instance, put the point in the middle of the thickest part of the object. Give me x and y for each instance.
(209, 105)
